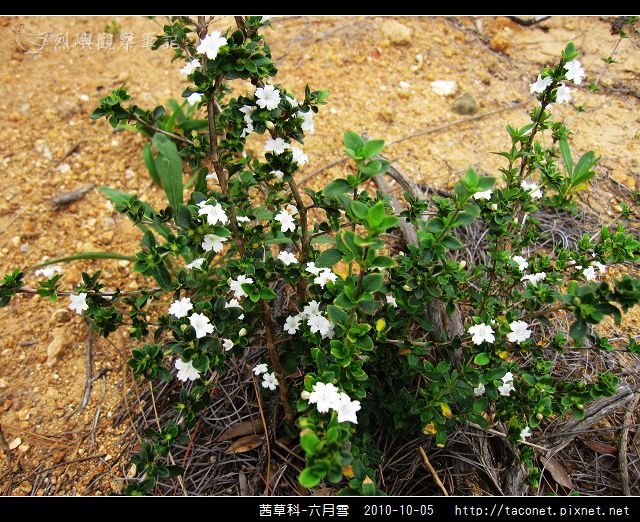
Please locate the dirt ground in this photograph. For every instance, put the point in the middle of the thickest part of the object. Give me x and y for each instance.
(378, 71)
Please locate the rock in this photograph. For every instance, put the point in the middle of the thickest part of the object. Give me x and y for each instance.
(444, 87)
(3, 383)
(59, 344)
(396, 33)
(15, 443)
(60, 316)
(465, 104)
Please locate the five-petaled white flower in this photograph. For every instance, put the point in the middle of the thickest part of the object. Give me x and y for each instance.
(540, 84)
(574, 72)
(324, 396)
(601, 268)
(287, 223)
(181, 308)
(391, 301)
(48, 271)
(523, 264)
(201, 325)
(506, 388)
(485, 194)
(507, 377)
(277, 146)
(79, 302)
(186, 371)
(243, 219)
(482, 333)
(278, 174)
(320, 324)
(292, 324)
(563, 94)
(248, 111)
(261, 368)
(287, 258)
(478, 390)
(534, 190)
(190, 67)
(307, 121)
(298, 156)
(346, 409)
(215, 213)
(525, 433)
(227, 344)
(211, 44)
(270, 381)
(196, 263)
(589, 273)
(194, 98)
(324, 277)
(534, 279)
(213, 242)
(313, 308)
(312, 268)
(234, 303)
(267, 97)
(235, 285)
(519, 332)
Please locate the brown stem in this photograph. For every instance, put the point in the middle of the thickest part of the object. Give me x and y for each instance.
(283, 389)
(544, 312)
(28, 290)
(159, 130)
(304, 240)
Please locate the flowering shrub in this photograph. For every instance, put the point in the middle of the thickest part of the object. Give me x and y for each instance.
(362, 327)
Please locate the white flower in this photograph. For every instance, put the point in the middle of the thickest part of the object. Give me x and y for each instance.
(181, 308)
(235, 304)
(287, 223)
(320, 324)
(601, 268)
(298, 156)
(346, 409)
(324, 277)
(391, 301)
(523, 264)
(235, 286)
(292, 209)
(194, 98)
(243, 219)
(227, 344)
(519, 332)
(494, 206)
(324, 396)
(481, 333)
(213, 242)
(292, 101)
(190, 67)
(278, 174)
(277, 146)
(313, 308)
(563, 94)
(270, 381)
(211, 44)
(312, 268)
(574, 72)
(485, 194)
(590, 273)
(534, 279)
(186, 371)
(507, 377)
(201, 325)
(307, 123)
(248, 111)
(478, 390)
(287, 258)
(260, 369)
(540, 84)
(525, 433)
(215, 213)
(534, 190)
(267, 97)
(292, 324)
(48, 271)
(79, 302)
(506, 388)
(196, 263)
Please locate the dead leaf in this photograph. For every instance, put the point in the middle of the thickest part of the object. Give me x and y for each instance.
(240, 429)
(245, 444)
(600, 447)
(323, 492)
(557, 471)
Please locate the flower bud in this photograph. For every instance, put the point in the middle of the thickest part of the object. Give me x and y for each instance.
(270, 125)
(242, 332)
(406, 288)
(305, 395)
(539, 416)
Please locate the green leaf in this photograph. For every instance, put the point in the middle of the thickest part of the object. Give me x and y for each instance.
(353, 141)
(337, 315)
(368, 487)
(324, 239)
(383, 262)
(183, 217)
(149, 161)
(582, 172)
(452, 242)
(485, 183)
(169, 166)
(434, 225)
(266, 294)
(480, 405)
(337, 187)
(372, 283)
(482, 359)
(376, 214)
(311, 477)
(578, 329)
(360, 210)
(329, 257)
(566, 156)
(372, 147)
(309, 441)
